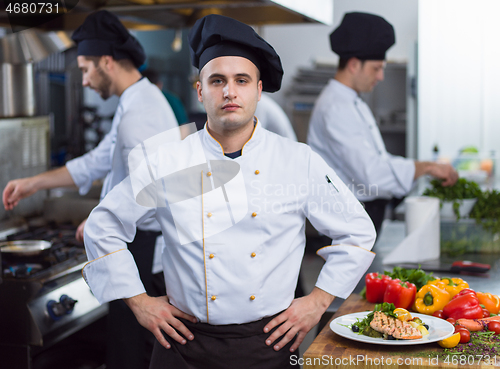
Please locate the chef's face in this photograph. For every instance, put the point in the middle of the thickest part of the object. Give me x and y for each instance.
(94, 76)
(368, 74)
(229, 89)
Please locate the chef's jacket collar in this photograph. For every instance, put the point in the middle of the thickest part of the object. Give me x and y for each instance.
(140, 84)
(346, 89)
(215, 147)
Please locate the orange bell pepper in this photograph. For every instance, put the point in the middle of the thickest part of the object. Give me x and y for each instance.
(490, 302)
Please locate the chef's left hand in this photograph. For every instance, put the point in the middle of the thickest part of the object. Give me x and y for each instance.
(302, 315)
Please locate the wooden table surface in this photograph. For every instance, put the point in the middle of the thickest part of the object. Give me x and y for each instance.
(330, 350)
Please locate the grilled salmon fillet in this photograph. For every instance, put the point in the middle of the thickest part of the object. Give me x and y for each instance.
(395, 327)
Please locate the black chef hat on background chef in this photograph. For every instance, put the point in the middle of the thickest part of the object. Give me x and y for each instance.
(215, 35)
(102, 33)
(362, 35)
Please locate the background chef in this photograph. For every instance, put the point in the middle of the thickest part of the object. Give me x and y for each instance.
(343, 130)
(231, 262)
(109, 58)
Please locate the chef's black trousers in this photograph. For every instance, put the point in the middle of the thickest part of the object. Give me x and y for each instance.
(129, 345)
(376, 211)
(233, 346)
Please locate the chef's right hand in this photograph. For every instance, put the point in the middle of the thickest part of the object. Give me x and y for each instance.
(156, 314)
(446, 172)
(16, 190)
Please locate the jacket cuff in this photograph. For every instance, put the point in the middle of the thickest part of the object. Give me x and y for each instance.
(345, 266)
(113, 276)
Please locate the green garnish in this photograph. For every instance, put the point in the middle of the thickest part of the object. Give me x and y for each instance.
(462, 189)
(387, 308)
(416, 276)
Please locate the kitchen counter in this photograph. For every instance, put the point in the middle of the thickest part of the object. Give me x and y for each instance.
(329, 344)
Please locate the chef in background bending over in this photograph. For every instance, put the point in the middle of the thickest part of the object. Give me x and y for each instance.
(231, 200)
(109, 58)
(343, 130)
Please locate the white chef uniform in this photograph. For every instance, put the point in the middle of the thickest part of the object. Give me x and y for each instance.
(235, 254)
(273, 118)
(343, 131)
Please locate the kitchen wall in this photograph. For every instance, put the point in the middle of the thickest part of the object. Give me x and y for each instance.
(459, 77)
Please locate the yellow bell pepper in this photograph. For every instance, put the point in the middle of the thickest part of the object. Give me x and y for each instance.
(451, 285)
(431, 298)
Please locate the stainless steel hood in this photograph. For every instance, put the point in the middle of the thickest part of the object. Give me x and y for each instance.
(159, 14)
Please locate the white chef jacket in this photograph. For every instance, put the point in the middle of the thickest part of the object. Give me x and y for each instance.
(273, 118)
(343, 131)
(233, 254)
(142, 112)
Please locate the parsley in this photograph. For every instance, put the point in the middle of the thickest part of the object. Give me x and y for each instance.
(416, 276)
(462, 189)
(486, 211)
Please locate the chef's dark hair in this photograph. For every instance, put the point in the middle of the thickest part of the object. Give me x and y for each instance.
(126, 64)
(343, 63)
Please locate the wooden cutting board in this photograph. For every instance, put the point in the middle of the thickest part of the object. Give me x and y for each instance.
(330, 350)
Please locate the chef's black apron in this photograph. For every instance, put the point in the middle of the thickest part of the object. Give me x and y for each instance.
(233, 346)
(129, 345)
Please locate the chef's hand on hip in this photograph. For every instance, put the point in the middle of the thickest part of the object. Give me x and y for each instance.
(302, 315)
(446, 172)
(157, 314)
(16, 190)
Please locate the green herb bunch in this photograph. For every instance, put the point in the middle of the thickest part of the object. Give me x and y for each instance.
(462, 189)
(416, 276)
(486, 211)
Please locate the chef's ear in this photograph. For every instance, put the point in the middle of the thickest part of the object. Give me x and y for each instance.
(199, 88)
(259, 86)
(107, 62)
(353, 64)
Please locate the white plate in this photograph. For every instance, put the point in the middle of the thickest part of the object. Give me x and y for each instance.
(439, 329)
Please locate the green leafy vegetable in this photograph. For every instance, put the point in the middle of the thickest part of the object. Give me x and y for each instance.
(486, 211)
(416, 276)
(462, 189)
(385, 307)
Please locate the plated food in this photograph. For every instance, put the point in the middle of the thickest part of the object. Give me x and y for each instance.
(389, 323)
(392, 328)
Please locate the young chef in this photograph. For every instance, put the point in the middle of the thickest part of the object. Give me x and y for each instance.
(343, 130)
(109, 57)
(231, 200)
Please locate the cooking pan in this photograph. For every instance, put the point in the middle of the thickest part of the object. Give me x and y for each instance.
(24, 248)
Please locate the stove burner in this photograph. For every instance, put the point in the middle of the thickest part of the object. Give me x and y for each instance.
(65, 250)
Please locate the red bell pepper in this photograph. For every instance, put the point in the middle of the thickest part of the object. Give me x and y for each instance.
(401, 294)
(375, 286)
(465, 306)
(466, 291)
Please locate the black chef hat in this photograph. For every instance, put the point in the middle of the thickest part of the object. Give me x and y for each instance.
(215, 35)
(362, 35)
(102, 33)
